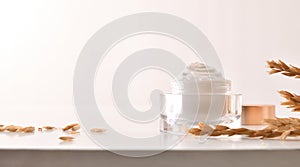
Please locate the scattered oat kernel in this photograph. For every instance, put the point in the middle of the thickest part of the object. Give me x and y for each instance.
(68, 127)
(12, 128)
(66, 138)
(97, 130)
(29, 129)
(75, 128)
(73, 132)
(49, 127)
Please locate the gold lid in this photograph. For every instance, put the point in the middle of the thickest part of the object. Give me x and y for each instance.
(255, 114)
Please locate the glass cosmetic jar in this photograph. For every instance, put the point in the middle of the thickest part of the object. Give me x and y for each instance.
(180, 112)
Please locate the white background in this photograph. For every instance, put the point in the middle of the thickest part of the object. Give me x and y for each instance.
(40, 42)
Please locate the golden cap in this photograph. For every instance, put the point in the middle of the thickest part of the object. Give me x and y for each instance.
(255, 114)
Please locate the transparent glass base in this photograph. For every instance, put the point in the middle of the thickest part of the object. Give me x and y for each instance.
(181, 127)
(177, 117)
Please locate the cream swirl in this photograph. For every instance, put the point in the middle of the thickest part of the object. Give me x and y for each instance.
(199, 78)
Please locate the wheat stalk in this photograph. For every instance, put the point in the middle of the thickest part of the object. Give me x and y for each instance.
(277, 127)
(281, 67)
(292, 100)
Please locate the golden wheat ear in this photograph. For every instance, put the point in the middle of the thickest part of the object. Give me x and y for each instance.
(281, 67)
(292, 100)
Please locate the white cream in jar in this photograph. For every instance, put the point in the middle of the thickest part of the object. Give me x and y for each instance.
(198, 95)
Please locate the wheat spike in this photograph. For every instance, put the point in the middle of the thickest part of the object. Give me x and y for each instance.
(280, 128)
(281, 67)
(292, 100)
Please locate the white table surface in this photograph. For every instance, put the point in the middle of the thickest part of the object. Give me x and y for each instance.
(45, 149)
(48, 140)
(60, 117)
